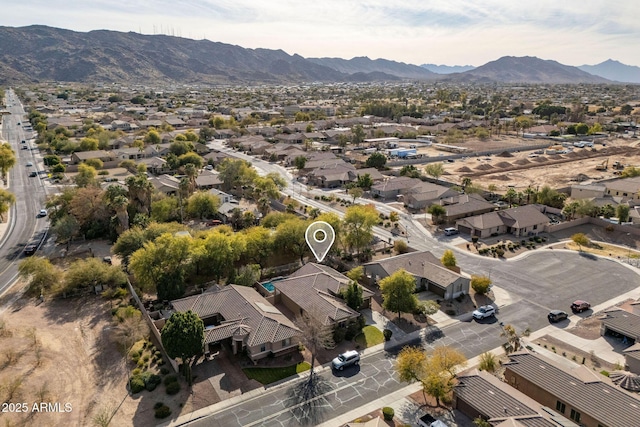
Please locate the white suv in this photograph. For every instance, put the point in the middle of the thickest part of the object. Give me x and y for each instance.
(345, 359)
(484, 312)
(450, 231)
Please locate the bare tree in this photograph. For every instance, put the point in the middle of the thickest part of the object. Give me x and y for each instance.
(316, 333)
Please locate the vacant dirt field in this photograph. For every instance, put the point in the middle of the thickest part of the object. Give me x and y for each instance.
(559, 170)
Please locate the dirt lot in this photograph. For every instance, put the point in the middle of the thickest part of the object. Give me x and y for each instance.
(523, 171)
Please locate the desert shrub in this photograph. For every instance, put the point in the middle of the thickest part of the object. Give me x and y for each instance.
(500, 252)
(163, 411)
(140, 363)
(158, 354)
(170, 379)
(173, 388)
(157, 405)
(136, 372)
(488, 362)
(152, 381)
(160, 362)
(387, 334)
(339, 335)
(136, 384)
(164, 371)
(388, 413)
(146, 358)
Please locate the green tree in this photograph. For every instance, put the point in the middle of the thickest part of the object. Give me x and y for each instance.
(582, 129)
(6, 200)
(290, 237)
(299, 162)
(511, 195)
(437, 213)
(358, 226)
(219, 252)
(410, 171)
(235, 174)
(365, 181)
(86, 176)
(442, 366)
(356, 192)
(41, 276)
(398, 292)
(191, 158)
(581, 240)
(448, 259)
(434, 169)
(93, 272)
(376, 160)
(622, 212)
(411, 366)
(183, 337)
(140, 192)
(202, 204)
(358, 134)
(88, 144)
(428, 308)
(352, 295)
(65, 229)
(166, 257)
(258, 244)
(356, 273)
(152, 137)
(248, 275)
(480, 284)
(7, 159)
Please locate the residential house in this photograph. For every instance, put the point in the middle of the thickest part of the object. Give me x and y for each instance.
(520, 221)
(239, 318)
(424, 194)
(207, 179)
(215, 157)
(314, 291)
(329, 280)
(166, 184)
(135, 153)
(224, 197)
(83, 156)
(155, 165)
(394, 187)
(627, 188)
(332, 175)
(575, 391)
(587, 191)
(291, 138)
(621, 324)
(427, 270)
(145, 124)
(479, 394)
(176, 122)
(121, 125)
(632, 358)
(464, 205)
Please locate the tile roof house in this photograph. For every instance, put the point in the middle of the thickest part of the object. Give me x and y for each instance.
(464, 205)
(621, 323)
(479, 394)
(394, 187)
(241, 317)
(585, 396)
(166, 184)
(425, 194)
(314, 288)
(426, 268)
(627, 188)
(520, 221)
(82, 156)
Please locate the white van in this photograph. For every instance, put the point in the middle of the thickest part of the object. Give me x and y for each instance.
(450, 231)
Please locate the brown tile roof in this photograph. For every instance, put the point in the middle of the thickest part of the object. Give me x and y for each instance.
(623, 322)
(327, 279)
(615, 407)
(244, 310)
(309, 292)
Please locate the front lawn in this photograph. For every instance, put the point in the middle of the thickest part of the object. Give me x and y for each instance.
(369, 337)
(270, 375)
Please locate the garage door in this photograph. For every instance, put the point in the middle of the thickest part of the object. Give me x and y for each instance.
(464, 230)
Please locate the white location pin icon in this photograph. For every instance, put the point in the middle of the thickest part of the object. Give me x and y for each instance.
(320, 237)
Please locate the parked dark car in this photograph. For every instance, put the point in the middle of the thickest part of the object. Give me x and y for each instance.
(579, 306)
(30, 249)
(555, 316)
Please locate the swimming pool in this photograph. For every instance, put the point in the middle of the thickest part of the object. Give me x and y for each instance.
(269, 286)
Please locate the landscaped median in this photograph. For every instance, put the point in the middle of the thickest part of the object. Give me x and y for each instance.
(270, 375)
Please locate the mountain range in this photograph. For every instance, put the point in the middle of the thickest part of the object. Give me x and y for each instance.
(40, 53)
(447, 69)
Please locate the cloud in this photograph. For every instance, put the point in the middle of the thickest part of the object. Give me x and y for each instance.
(444, 31)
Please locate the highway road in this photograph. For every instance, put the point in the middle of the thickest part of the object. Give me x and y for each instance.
(535, 283)
(23, 227)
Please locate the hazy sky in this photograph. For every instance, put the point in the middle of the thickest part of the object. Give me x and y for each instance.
(452, 32)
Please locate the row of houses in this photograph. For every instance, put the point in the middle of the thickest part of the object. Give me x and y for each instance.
(247, 319)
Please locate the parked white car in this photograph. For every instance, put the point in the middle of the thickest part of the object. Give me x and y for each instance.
(484, 312)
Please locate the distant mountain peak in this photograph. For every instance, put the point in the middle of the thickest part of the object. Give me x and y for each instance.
(614, 70)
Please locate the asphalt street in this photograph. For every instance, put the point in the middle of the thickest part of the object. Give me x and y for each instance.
(24, 227)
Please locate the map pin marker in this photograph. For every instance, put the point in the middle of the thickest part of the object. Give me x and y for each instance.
(320, 237)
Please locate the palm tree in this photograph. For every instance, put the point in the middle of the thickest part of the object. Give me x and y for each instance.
(140, 191)
(120, 204)
(192, 173)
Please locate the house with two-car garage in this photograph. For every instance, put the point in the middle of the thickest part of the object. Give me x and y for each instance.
(427, 269)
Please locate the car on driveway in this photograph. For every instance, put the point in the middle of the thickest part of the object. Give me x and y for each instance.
(450, 231)
(555, 316)
(484, 311)
(428, 421)
(579, 306)
(346, 359)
